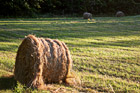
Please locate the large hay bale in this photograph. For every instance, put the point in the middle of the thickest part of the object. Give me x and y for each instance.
(41, 61)
(120, 14)
(87, 15)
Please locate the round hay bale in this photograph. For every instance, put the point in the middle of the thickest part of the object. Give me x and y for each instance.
(41, 61)
(87, 15)
(120, 14)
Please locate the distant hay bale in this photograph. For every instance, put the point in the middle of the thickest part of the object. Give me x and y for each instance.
(41, 61)
(87, 15)
(120, 14)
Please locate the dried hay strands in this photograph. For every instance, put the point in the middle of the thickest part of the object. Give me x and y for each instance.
(41, 61)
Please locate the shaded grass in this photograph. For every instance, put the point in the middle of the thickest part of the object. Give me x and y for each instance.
(105, 51)
(7, 82)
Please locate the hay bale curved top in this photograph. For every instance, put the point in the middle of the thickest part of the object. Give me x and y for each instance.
(87, 15)
(120, 14)
(40, 61)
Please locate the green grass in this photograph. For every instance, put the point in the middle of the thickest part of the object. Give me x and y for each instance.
(105, 51)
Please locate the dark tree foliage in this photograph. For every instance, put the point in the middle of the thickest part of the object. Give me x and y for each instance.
(18, 7)
(62, 7)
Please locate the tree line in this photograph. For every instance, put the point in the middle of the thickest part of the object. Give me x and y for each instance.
(63, 7)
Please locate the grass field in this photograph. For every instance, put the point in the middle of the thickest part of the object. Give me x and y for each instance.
(105, 51)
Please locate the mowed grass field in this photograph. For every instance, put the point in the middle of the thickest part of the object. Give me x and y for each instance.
(105, 51)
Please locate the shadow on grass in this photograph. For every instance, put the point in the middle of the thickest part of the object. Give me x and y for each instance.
(11, 48)
(121, 43)
(7, 82)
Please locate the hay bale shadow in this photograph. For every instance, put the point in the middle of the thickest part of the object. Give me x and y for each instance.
(7, 82)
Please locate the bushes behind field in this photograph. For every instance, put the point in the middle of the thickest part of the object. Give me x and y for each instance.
(63, 7)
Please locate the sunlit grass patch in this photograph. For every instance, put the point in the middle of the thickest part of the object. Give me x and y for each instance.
(104, 83)
(105, 51)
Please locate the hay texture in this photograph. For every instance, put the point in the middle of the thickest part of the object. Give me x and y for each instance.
(41, 61)
(120, 14)
(87, 15)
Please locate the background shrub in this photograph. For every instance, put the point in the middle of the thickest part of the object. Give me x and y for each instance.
(63, 7)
